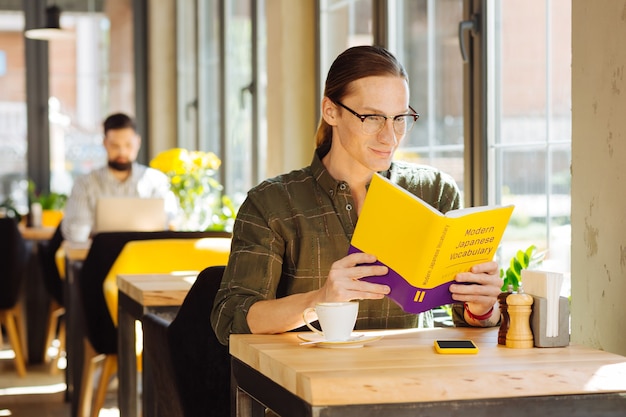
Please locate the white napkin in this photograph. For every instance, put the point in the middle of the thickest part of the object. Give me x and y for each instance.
(546, 285)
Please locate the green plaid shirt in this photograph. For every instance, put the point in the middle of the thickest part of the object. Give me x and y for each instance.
(290, 230)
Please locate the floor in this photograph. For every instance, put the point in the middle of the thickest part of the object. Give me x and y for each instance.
(41, 393)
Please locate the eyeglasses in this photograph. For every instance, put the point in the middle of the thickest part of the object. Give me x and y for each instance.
(371, 124)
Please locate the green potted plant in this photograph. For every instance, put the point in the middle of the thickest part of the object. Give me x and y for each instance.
(523, 259)
(52, 205)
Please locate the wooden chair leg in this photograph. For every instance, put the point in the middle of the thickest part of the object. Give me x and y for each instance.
(109, 368)
(54, 316)
(11, 323)
(51, 330)
(86, 393)
(54, 364)
(20, 325)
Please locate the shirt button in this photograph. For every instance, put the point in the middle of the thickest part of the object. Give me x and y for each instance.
(348, 207)
(342, 187)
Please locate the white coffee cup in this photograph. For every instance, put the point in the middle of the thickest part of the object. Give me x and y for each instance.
(337, 320)
(79, 232)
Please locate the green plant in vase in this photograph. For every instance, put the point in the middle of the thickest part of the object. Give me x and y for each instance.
(48, 201)
(52, 204)
(523, 259)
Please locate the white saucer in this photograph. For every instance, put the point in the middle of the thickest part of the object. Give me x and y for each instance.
(356, 340)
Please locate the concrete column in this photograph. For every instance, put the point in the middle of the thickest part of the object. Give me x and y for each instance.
(598, 173)
(162, 75)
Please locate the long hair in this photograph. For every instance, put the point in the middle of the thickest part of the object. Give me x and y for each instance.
(351, 65)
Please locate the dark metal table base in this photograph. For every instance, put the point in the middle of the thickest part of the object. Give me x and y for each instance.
(128, 311)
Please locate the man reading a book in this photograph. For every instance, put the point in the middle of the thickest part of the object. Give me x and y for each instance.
(292, 233)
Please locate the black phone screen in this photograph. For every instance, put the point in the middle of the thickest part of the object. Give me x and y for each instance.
(456, 344)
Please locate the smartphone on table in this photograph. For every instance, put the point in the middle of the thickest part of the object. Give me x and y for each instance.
(455, 346)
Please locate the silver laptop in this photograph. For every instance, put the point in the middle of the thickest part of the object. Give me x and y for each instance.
(130, 214)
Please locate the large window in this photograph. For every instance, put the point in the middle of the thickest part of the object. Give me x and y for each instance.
(531, 141)
(221, 86)
(86, 80)
(424, 38)
(221, 82)
(12, 110)
(516, 146)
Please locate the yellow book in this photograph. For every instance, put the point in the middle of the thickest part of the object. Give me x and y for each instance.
(423, 248)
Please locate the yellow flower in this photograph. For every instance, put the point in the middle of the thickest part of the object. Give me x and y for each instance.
(172, 160)
(191, 180)
(181, 161)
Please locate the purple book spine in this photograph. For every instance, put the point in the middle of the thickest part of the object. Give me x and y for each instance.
(412, 299)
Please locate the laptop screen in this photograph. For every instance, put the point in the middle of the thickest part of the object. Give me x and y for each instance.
(130, 214)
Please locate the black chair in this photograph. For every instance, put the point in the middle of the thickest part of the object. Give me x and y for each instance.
(47, 258)
(53, 283)
(201, 363)
(164, 399)
(100, 331)
(13, 258)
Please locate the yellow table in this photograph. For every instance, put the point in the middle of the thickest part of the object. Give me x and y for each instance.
(402, 375)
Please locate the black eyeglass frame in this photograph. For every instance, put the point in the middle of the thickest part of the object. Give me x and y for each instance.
(362, 117)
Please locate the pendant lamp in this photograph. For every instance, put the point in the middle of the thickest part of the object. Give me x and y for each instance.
(52, 29)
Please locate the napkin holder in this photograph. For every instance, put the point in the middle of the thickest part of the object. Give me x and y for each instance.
(538, 323)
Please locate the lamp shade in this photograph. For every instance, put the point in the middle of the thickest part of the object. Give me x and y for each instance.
(52, 30)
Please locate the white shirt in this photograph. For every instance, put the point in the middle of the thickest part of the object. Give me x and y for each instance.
(144, 182)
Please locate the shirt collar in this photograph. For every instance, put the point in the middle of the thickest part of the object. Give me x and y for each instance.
(321, 174)
(323, 177)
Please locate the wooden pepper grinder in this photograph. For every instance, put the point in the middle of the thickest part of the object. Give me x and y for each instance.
(504, 315)
(519, 335)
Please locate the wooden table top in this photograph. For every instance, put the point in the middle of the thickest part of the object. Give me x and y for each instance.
(157, 289)
(36, 233)
(404, 367)
(75, 251)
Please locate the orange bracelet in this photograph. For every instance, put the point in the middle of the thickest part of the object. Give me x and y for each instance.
(485, 316)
